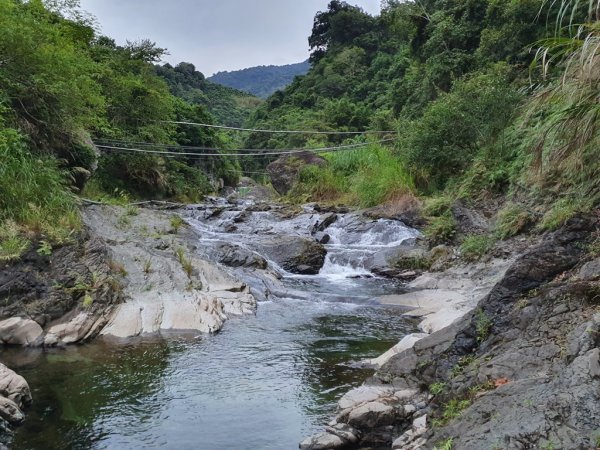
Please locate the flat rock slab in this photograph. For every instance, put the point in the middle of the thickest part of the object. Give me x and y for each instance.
(405, 343)
(173, 311)
(371, 415)
(432, 299)
(363, 394)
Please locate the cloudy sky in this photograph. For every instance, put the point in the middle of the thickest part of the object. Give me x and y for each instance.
(217, 35)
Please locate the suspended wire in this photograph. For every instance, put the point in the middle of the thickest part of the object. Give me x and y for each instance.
(224, 127)
(264, 153)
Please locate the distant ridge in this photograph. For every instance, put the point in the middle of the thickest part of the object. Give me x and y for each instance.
(261, 81)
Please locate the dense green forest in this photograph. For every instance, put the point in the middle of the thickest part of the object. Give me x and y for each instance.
(261, 81)
(487, 98)
(484, 100)
(63, 86)
(228, 106)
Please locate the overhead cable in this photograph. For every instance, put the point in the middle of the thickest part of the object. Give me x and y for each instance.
(264, 153)
(224, 127)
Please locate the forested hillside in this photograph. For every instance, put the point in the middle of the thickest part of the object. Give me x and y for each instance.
(261, 81)
(228, 106)
(63, 86)
(485, 99)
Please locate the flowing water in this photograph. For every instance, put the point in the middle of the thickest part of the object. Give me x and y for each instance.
(263, 382)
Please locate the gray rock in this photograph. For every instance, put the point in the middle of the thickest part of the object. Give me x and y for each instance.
(10, 412)
(371, 415)
(235, 256)
(323, 441)
(19, 331)
(285, 170)
(295, 254)
(14, 387)
(590, 270)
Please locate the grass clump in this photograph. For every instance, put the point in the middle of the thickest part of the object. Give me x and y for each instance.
(483, 325)
(441, 229)
(34, 193)
(512, 219)
(437, 388)
(12, 244)
(475, 246)
(363, 177)
(561, 211)
(448, 444)
(176, 223)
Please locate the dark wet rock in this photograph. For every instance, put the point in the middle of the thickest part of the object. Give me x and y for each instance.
(235, 256)
(285, 170)
(294, 253)
(324, 221)
(540, 353)
(322, 238)
(338, 209)
(42, 289)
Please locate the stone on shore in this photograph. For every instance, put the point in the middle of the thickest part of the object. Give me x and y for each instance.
(20, 331)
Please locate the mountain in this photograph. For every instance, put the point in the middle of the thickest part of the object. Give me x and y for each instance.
(229, 106)
(261, 81)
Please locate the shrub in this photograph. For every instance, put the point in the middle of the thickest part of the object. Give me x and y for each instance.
(511, 220)
(561, 211)
(34, 193)
(441, 229)
(474, 247)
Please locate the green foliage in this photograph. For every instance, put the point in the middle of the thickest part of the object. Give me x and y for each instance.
(441, 229)
(448, 444)
(511, 220)
(176, 223)
(483, 325)
(453, 409)
(475, 246)
(12, 243)
(563, 210)
(437, 388)
(33, 191)
(44, 249)
(443, 142)
(364, 177)
(261, 81)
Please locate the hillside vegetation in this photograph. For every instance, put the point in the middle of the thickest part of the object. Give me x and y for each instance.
(488, 99)
(261, 81)
(228, 106)
(61, 86)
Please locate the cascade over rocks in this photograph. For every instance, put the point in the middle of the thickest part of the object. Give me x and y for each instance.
(526, 362)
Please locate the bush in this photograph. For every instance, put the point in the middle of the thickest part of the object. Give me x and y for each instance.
(363, 177)
(474, 247)
(34, 193)
(511, 220)
(442, 143)
(441, 229)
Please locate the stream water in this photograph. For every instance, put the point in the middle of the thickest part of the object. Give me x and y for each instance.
(263, 382)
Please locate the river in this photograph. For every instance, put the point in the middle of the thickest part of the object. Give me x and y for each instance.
(263, 382)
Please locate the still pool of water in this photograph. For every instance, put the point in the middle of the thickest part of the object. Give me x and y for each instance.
(264, 382)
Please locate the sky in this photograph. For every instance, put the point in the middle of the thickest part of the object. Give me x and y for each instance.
(217, 35)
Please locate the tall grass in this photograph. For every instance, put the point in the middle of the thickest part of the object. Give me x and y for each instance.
(362, 177)
(34, 193)
(565, 113)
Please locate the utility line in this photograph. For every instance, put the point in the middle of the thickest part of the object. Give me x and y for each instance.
(223, 127)
(266, 153)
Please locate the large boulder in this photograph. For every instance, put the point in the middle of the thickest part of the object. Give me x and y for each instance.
(295, 254)
(19, 331)
(284, 171)
(235, 256)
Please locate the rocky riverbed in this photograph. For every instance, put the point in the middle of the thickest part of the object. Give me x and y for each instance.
(472, 337)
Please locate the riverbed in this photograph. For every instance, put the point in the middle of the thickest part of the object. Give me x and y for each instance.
(263, 382)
